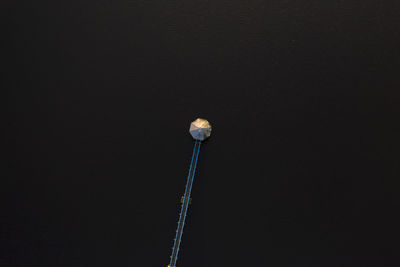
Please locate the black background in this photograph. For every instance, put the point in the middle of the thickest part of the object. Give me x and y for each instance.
(302, 168)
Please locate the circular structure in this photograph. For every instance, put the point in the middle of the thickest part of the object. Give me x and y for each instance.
(200, 129)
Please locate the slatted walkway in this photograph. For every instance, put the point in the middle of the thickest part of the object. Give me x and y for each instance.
(185, 204)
